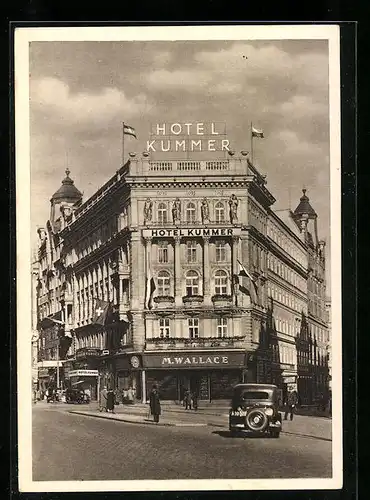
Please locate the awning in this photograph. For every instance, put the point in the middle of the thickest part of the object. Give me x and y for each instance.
(52, 320)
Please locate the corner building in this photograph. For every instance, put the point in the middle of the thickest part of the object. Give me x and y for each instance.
(162, 241)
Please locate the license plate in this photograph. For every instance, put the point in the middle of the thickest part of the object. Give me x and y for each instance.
(241, 413)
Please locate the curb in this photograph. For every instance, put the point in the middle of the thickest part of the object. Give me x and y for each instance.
(141, 422)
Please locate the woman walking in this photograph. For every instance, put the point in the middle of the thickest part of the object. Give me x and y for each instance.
(155, 404)
(110, 401)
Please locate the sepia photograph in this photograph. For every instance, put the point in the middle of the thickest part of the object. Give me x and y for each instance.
(178, 258)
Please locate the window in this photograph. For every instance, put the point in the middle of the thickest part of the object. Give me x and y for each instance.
(190, 212)
(222, 327)
(192, 283)
(163, 252)
(220, 282)
(220, 251)
(193, 326)
(220, 212)
(191, 251)
(162, 213)
(163, 283)
(164, 327)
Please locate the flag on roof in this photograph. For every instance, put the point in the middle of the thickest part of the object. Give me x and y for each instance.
(129, 130)
(257, 133)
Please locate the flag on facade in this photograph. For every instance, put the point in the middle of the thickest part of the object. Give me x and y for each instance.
(101, 312)
(247, 284)
(127, 130)
(150, 289)
(257, 133)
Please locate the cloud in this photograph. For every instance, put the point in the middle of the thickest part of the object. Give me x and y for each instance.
(54, 98)
(303, 106)
(179, 78)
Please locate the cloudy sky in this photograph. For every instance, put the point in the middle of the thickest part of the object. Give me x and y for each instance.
(81, 92)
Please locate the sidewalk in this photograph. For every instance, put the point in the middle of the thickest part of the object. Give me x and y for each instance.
(304, 426)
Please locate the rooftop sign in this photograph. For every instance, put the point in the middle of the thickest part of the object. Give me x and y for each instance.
(198, 136)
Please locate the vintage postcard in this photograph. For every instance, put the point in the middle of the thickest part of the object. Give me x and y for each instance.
(179, 258)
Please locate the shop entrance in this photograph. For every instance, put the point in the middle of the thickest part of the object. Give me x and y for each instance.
(197, 382)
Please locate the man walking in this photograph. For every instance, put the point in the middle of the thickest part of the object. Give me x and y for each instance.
(155, 404)
(187, 399)
(291, 402)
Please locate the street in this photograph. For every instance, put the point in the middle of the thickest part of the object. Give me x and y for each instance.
(74, 447)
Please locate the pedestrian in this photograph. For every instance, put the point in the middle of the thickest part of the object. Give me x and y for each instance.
(103, 399)
(291, 403)
(195, 400)
(155, 404)
(187, 398)
(110, 401)
(130, 396)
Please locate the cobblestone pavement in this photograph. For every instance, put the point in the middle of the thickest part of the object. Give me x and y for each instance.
(68, 446)
(305, 426)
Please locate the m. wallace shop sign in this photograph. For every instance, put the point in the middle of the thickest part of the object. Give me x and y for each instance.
(191, 360)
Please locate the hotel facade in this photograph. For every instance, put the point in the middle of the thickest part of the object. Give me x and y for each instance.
(164, 243)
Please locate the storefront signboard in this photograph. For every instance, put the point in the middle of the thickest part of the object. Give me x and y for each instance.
(217, 231)
(86, 352)
(220, 360)
(83, 373)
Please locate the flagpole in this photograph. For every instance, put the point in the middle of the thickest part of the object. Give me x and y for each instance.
(252, 142)
(123, 143)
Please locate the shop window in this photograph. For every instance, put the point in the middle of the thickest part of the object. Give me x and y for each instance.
(191, 251)
(164, 283)
(220, 282)
(163, 252)
(222, 325)
(192, 283)
(164, 327)
(220, 212)
(191, 212)
(162, 213)
(220, 251)
(193, 327)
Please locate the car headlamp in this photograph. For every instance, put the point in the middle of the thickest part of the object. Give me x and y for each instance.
(269, 412)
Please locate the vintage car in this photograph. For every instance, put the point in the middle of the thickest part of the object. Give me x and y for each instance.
(254, 408)
(76, 396)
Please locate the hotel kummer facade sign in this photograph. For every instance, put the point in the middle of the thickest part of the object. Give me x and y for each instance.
(195, 360)
(188, 137)
(219, 231)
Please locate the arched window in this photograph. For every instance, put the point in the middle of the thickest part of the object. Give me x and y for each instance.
(220, 212)
(164, 283)
(191, 212)
(162, 213)
(192, 283)
(220, 282)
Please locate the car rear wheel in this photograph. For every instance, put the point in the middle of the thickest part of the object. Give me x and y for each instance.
(256, 420)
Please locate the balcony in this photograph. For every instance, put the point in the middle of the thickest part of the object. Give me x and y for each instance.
(222, 300)
(161, 344)
(236, 166)
(164, 301)
(192, 300)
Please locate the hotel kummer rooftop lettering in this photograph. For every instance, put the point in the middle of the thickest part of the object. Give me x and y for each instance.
(185, 137)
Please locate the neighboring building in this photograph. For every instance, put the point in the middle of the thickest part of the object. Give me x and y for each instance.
(34, 333)
(329, 349)
(162, 242)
